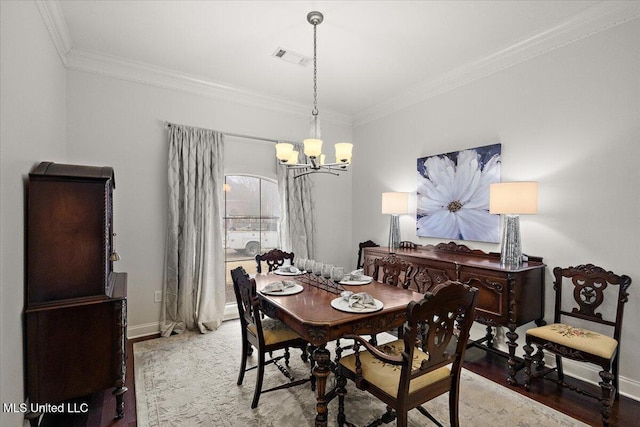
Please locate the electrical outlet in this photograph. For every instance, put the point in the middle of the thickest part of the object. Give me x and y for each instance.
(157, 296)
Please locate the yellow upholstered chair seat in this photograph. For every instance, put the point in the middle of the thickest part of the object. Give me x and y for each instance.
(385, 376)
(580, 339)
(274, 331)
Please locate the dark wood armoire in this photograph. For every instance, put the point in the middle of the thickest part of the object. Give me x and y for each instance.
(76, 305)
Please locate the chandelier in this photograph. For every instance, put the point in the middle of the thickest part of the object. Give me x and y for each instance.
(313, 146)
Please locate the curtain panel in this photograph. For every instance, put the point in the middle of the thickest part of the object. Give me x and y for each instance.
(194, 285)
(296, 224)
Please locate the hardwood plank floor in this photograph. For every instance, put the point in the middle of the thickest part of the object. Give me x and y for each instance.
(626, 412)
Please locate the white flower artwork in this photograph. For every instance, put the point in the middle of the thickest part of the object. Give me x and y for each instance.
(453, 195)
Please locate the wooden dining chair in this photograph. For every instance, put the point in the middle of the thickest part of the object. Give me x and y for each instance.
(580, 294)
(266, 335)
(425, 363)
(393, 271)
(361, 246)
(274, 259)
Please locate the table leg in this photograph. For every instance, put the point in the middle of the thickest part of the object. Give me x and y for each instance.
(321, 371)
(512, 336)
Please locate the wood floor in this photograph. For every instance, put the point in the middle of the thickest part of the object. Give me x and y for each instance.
(626, 412)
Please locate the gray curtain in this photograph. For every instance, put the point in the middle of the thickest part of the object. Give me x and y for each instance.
(296, 225)
(194, 288)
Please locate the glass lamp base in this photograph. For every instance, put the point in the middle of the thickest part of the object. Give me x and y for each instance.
(394, 233)
(511, 250)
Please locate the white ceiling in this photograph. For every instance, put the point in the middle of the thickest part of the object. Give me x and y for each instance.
(372, 55)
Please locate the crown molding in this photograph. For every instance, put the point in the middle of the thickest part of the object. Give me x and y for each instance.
(600, 17)
(51, 14)
(139, 72)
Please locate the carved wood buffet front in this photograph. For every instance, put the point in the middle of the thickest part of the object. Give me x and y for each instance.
(507, 297)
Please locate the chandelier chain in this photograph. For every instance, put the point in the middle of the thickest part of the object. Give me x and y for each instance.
(315, 72)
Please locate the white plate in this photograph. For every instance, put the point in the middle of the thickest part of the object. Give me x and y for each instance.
(295, 289)
(288, 273)
(366, 281)
(343, 305)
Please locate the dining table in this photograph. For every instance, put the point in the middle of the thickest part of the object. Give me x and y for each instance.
(316, 314)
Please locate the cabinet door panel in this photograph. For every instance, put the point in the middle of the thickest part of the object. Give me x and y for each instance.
(67, 248)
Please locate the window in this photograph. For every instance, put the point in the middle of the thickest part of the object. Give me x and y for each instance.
(252, 223)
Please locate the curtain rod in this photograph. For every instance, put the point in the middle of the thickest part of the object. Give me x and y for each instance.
(237, 135)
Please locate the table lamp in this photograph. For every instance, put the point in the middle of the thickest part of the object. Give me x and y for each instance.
(395, 204)
(512, 199)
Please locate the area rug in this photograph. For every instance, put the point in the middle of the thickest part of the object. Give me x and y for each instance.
(190, 380)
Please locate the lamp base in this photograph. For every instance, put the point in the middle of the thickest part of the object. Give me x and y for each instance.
(511, 247)
(394, 233)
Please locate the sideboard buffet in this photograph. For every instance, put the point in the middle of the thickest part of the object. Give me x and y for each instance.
(508, 297)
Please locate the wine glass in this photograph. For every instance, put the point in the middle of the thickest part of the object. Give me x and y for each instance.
(337, 274)
(308, 265)
(326, 271)
(317, 268)
(299, 263)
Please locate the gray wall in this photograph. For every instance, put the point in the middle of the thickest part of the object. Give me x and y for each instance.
(32, 129)
(569, 119)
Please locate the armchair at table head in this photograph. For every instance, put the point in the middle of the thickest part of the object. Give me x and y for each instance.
(274, 258)
(580, 296)
(266, 335)
(424, 364)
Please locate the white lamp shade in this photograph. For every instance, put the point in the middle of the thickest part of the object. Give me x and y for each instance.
(293, 158)
(283, 151)
(515, 198)
(395, 203)
(343, 152)
(312, 147)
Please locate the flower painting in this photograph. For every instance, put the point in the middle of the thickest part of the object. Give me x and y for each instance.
(453, 195)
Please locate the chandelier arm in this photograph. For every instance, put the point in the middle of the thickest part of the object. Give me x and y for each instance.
(315, 171)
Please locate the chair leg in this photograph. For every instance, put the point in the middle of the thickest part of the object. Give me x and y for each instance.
(243, 361)
(559, 368)
(538, 359)
(259, 377)
(287, 356)
(402, 419)
(608, 393)
(304, 355)
(341, 390)
(454, 400)
(528, 350)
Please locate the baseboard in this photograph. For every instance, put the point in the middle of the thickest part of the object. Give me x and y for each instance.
(146, 329)
(138, 331)
(582, 371)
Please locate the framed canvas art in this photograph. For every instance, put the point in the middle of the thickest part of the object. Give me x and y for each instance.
(453, 195)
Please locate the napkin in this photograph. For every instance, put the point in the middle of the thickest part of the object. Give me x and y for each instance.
(361, 300)
(289, 269)
(279, 286)
(357, 275)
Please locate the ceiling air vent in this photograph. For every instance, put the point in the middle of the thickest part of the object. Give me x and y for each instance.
(290, 56)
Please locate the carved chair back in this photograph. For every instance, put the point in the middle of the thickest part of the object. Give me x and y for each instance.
(248, 304)
(588, 285)
(274, 259)
(361, 246)
(435, 336)
(393, 271)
